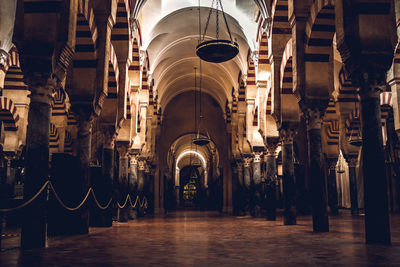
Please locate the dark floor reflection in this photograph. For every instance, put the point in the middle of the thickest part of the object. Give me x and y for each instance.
(196, 238)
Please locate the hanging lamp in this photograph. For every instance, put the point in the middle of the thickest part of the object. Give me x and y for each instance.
(200, 140)
(355, 140)
(217, 50)
(340, 167)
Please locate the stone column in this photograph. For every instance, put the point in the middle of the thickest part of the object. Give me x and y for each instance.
(246, 184)
(241, 196)
(141, 177)
(133, 177)
(122, 148)
(84, 139)
(313, 116)
(377, 229)
(288, 178)
(352, 162)
(257, 193)
(332, 187)
(104, 187)
(33, 232)
(271, 178)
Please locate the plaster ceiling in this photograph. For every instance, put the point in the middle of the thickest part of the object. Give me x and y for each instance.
(170, 44)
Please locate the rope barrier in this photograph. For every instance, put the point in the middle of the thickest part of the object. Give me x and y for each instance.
(29, 201)
(49, 186)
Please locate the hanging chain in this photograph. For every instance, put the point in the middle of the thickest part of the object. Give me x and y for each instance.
(226, 22)
(217, 19)
(208, 19)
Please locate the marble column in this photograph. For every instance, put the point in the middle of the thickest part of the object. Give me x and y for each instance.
(257, 192)
(34, 232)
(246, 184)
(377, 229)
(104, 186)
(141, 184)
(84, 140)
(271, 179)
(241, 197)
(122, 148)
(314, 115)
(288, 178)
(133, 177)
(352, 162)
(332, 187)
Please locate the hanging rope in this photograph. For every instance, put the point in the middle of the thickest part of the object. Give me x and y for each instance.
(49, 186)
(29, 201)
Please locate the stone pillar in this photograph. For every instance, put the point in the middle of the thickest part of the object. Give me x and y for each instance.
(246, 184)
(377, 229)
(271, 178)
(33, 232)
(257, 192)
(332, 187)
(313, 116)
(133, 177)
(352, 162)
(122, 148)
(141, 177)
(288, 178)
(104, 187)
(84, 139)
(241, 196)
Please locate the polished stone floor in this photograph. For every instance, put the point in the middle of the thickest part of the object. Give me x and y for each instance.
(208, 239)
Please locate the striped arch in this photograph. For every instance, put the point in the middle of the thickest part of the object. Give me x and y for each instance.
(255, 117)
(71, 121)
(269, 104)
(54, 138)
(289, 104)
(68, 141)
(234, 102)
(8, 114)
(353, 125)
(113, 75)
(263, 60)
(347, 92)
(332, 133)
(128, 105)
(145, 84)
(280, 23)
(14, 79)
(121, 30)
(320, 30)
(85, 57)
(58, 105)
(242, 92)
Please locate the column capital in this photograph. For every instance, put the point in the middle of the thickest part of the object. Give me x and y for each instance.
(314, 117)
(257, 156)
(352, 161)
(133, 159)
(123, 148)
(141, 164)
(41, 86)
(109, 136)
(246, 162)
(287, 135)
(272, 145)
(239, 166)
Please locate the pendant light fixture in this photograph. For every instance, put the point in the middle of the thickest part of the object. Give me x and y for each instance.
(199, 140)
(217, 50)
(355, 140)
(340, 167)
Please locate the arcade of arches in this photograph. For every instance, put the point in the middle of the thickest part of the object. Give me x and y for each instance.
(109, 95)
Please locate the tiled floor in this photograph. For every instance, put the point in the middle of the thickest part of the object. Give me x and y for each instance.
(207, 239)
